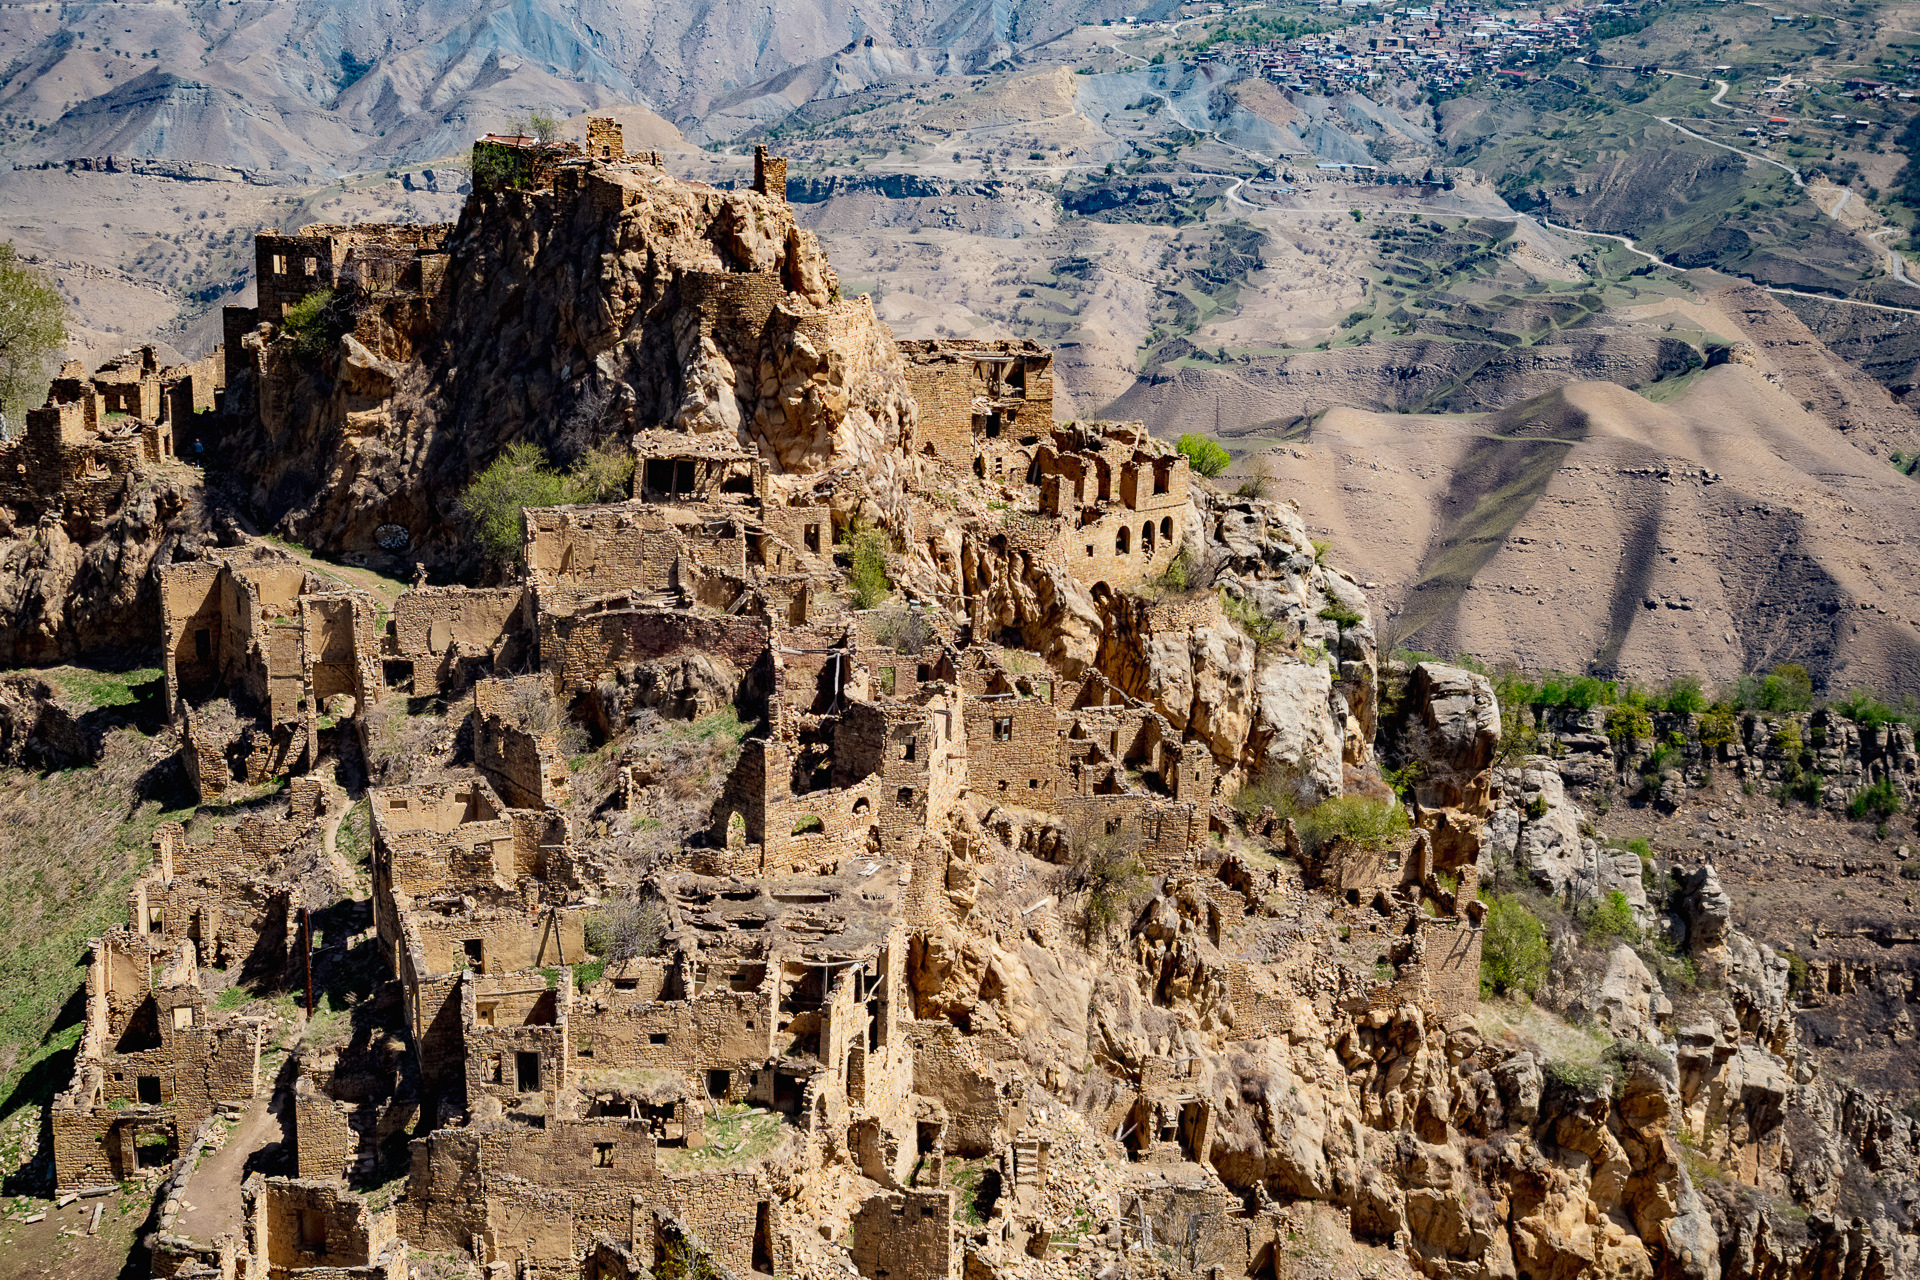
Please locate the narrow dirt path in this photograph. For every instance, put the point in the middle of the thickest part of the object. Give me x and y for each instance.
(213, 1190)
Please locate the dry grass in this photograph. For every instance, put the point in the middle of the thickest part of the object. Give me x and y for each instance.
(71, 844)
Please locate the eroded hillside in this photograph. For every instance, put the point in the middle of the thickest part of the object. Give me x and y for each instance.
(880, 825)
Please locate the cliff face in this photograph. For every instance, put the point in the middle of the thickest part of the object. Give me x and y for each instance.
(566, 317)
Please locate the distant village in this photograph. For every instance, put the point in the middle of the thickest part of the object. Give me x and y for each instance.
(1441, 44)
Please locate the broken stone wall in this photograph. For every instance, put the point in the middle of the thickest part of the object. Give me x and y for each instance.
(577, 650)
(905, 1235)
(524, 766)
(440, 638)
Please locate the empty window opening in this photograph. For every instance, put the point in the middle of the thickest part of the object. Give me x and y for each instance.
(1166, 529)
(526, 1070)
(718, 1082)
(156, 919)
(146, 1089)
(1146, 538)
(656, 1037)
(603, 1155)
(584, 1049)
(483, 1014)
(474, 952)
(887, 680)
(626, 984)
(1120, 542)
(1003, 728)
(495, 1072)
(183, 1017)
(906, 752)
(811, 537)
(906, 795)
(203, 644)
(809, 826)
(1159, 478)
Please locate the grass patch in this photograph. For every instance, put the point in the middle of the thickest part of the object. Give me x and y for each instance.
(737, 1135)
(105, 689)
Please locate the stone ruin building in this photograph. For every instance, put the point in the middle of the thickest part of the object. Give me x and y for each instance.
(97, 436)
(563, 1113)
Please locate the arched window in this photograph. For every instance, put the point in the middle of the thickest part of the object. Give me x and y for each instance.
(1120, 542)
(1146, 538)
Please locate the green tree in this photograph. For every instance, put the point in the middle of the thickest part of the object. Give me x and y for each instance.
(519, 478)
(1513, 949)
(33, 324)
(603, 474)
(314, 324)
(1206, 457)
(545, 127)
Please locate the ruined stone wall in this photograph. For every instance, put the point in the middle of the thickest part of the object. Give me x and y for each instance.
(797, 539)
(509, 1022)
(440, 638)
(475, 1182)
(213, 894)
(631, 547)
(1013, 751)
(576, 650)
(315, 1227)
(982, 1111)
(509, 941)
(604, 139)
(905, 1233)
(525, 767)
(715, 1030)
(1162, 834)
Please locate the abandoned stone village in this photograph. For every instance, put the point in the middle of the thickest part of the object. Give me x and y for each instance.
(947, 958)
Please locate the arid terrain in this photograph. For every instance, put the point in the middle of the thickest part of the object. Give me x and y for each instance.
(1029, 642)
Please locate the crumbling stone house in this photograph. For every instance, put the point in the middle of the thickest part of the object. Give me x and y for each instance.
(156, 1057)
(154, 1061)
(285, 648)
(96, 437)
(371, 258)
(985, 406)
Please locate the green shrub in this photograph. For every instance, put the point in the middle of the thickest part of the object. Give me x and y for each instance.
(1513, 949)
(492, 505)
(1205, 457)
(1878, 800)
(1796, 973)
(1628, 719)
(1574, 693)
(1684, 696)
(1263, 630)
(1612, 921)
(1624, 1053)
(314, 324)
(1786, 688)
(603, 474)
(867, 580)
(1865, 709)
(1581, 1078)
(1359, 819)
(1341, 616)
(1718, 726)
